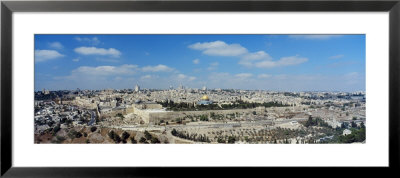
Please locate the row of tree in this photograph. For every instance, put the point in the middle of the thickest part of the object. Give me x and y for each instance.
(117, 139)
(194, 137)
(182, 106)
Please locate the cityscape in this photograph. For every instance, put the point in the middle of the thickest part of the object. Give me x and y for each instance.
(199, 89)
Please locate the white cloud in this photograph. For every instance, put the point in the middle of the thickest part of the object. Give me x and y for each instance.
(337, 56)
(98, 51)
(248, 59)
(56, 45)
(264, 76)
(244, 75)
(284, 61)
(314, 37)
(196, 61)
(92, 41)
(182, 77)
(45, 55)
(259, 59)
(126, 69)
(75, 60)
(157, 68)
(219, 48)
(257, 56)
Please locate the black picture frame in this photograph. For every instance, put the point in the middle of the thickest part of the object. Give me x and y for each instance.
(8, 7)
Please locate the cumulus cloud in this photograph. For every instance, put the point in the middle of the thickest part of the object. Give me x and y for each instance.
(92, 41)
(45, 55)
(314, 37)
(248, 59)
(219, 48)
(56, 45)
(196, 61)
(259, 59)
(157, 68)
(284, 61)
(257, 56)
(98, 51)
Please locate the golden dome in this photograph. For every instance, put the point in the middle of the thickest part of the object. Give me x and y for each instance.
(205, 97)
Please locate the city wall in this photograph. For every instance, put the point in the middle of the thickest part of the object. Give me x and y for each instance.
(156, 117)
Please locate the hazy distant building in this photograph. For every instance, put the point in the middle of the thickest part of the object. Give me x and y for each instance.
(46, 92)
(137, 88)
(181, 87)
(204, 88)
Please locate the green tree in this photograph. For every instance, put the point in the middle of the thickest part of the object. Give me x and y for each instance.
(125, 135)
(111, 134)
(117, 138)
(147, 135)
(142, 140)
(93, 129)
(221, 140)
(155, 140)
(174, 132)
(353, 124)
(78, 135)
(133, 141)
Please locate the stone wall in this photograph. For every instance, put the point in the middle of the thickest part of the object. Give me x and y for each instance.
(155, 117)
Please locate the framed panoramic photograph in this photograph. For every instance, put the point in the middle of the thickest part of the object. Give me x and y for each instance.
(200, 89)
(139, 88)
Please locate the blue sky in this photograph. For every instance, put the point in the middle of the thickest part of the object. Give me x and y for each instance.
(266, 62)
